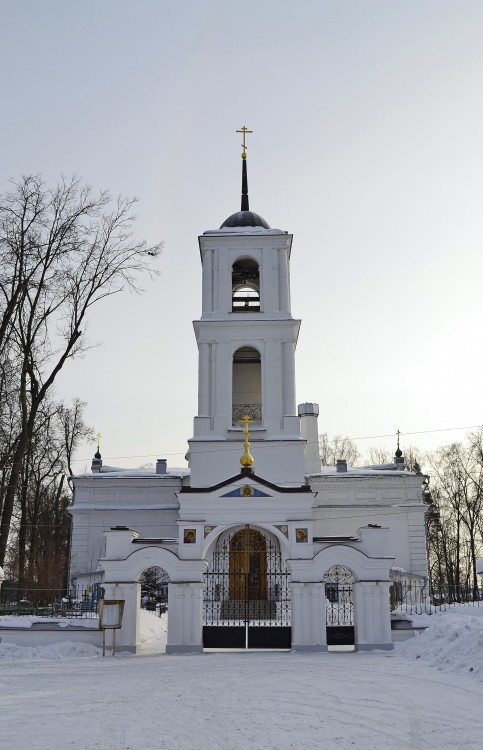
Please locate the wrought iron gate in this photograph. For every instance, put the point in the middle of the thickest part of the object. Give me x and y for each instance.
(247, 594)
(339, 606)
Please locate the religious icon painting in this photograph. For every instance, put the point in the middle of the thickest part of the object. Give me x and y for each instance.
(301, 536)
(189, 536)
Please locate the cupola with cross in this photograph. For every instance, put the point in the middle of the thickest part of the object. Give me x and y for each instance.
(246, 339)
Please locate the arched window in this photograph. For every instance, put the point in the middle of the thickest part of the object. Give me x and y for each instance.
(247, 384)
(245, 284)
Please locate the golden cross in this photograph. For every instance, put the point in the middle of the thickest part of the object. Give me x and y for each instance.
(99, 441)
(246, 421)
(244, 130)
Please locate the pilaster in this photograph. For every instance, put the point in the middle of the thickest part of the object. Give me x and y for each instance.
(185, 618)
(308, 617)
(128, 636)
(372, 616)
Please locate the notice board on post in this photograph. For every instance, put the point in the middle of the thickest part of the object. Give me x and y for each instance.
(110, 613)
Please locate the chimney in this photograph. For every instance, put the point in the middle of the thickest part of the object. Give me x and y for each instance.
(341, 465)
(161, 464)
(309, 432)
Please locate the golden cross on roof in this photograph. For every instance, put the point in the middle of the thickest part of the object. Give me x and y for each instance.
(244, 130)
(99, 441)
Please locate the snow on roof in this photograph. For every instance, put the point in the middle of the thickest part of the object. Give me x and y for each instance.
(113, 472)
(361, 471)
(244, 230)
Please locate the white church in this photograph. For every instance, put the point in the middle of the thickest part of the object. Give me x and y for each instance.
(262, 547)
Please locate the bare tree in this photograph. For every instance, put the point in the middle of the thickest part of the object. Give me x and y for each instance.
(63, 250)
(337, 447)
(457, 494)
(379, 456)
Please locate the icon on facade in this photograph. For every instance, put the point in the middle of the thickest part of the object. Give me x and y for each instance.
(189, 536)
(301, 536)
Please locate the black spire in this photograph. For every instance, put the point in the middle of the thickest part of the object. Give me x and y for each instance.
(245, 217)
(244, 192)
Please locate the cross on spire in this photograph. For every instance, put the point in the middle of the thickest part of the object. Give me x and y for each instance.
(244, 130)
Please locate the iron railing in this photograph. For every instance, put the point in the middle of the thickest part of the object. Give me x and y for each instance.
(77, 601)
(252, 411)
(418, 597)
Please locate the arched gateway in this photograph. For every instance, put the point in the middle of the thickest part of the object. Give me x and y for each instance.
(246, 602)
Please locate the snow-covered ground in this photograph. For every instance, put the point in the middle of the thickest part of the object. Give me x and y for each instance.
(425, 694)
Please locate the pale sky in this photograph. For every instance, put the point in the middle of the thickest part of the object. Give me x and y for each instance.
(367, 147)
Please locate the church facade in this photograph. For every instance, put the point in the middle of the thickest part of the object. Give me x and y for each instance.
(262, 547)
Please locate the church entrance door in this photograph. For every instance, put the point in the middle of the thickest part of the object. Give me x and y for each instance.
(248, 566)
(247, 594)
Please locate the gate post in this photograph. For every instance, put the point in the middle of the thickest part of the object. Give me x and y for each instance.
(372, 616)
(308, 617)
(128, 637)
(184, 618)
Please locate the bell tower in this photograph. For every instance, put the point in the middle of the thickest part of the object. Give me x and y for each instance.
(246, 340)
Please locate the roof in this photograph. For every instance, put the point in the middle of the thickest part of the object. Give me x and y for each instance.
(245, 219)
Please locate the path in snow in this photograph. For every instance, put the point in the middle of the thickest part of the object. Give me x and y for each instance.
(254, 701)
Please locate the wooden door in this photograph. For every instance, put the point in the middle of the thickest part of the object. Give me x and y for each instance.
(248, 565)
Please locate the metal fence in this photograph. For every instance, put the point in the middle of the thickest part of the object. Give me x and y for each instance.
(418, 597)
(78, 601)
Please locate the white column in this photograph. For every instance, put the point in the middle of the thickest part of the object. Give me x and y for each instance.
(222, 373)
(308, 617)
(372, 616)
(297, 614)
(207, 289)
(128, 637)
(204, 380)
(272, 387)
(283, 282)
(382, 620)
(184, 618)
(317, 615)
(288, 351)
(196, 614)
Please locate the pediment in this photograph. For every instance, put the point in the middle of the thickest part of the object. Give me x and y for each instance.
(249, 478)
(246, 491)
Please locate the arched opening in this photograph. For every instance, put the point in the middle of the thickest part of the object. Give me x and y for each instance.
(245, 285)
(247, 600)
(154, 608)
(247, 385)
(339, 606)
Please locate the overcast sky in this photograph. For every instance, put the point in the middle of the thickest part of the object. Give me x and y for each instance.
(367, 146)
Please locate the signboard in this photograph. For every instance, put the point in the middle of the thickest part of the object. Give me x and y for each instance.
(110, 618)
(110, 613)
